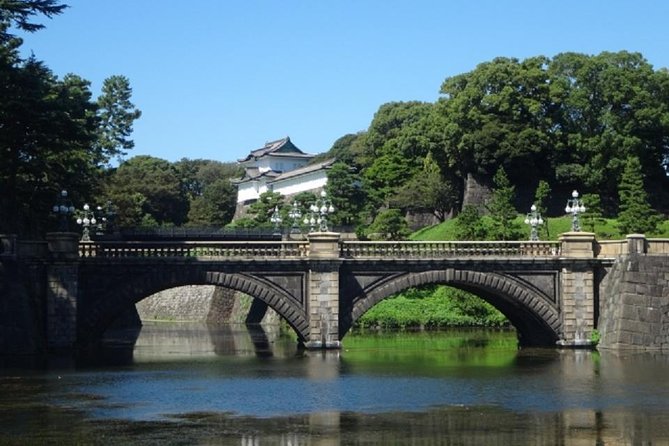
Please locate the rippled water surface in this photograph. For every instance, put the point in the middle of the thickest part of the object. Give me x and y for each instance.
(189, 384)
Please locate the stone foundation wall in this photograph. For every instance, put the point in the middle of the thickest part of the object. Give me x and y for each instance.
(634, 304)
(21, 309)
(477, 192)
(202, 303)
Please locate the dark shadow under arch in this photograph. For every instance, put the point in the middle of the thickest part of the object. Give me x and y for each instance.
(535, 318)
(99, 311)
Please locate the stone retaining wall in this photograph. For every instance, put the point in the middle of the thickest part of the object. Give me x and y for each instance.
(634, 304)
(202, 303)
(21, 310)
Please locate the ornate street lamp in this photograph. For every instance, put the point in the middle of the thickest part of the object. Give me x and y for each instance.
(87, 220)
(63, 208)
(276, 220)
(110, 217)
(310, 220)
(574, 207)
(534, 219)
(320, 211)
(295, 214)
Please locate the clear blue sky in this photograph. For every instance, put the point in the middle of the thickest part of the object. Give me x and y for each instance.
(217, 78)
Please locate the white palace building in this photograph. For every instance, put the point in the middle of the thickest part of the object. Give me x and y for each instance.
(279, 166)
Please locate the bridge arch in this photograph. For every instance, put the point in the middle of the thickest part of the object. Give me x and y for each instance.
(101, 306)
(536, 319)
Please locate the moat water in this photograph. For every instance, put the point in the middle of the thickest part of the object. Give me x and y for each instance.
(190, 384)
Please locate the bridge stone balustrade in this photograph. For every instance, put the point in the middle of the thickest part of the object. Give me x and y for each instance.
(322, 286)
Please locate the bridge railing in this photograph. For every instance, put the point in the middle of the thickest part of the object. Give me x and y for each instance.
(658, 246)
(612, 248)
(439, 249)
(247, 249)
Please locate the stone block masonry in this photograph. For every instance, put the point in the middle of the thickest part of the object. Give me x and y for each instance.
(634, 304)
(578, 311)
(323, 291)
(62, 290)
(62, 285)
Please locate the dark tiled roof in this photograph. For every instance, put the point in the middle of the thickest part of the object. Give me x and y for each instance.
(282, 147)
(249, 176)
(274, 176)
(306, 169)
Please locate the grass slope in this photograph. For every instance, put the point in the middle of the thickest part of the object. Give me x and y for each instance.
(605, 229)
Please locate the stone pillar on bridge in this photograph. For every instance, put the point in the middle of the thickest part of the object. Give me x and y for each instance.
(323, 291)
(577, 296)
(62, 289)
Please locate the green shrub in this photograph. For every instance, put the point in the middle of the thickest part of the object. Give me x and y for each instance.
(432, 307)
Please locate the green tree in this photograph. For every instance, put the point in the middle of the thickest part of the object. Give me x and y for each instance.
(345, 150)
(116, 114)
(216, 205)
(608, 107)
(47, 129)
(19, 13)
(636, 215)
(394, 148)
(500, 207)
(428, 191)
(469, 225)
(261, 211)
(390, 225)
(344, 190)
(155, 186)
(497, 115)
(207, 184)
(593, 211)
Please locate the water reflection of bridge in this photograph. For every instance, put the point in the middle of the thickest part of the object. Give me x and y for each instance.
(199, 340)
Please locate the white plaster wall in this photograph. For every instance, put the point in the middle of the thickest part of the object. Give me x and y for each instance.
(247, 191)
(277, 164)
(251, 190)
(292, 186)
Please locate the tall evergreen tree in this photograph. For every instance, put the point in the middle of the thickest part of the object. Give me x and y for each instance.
(501, 210)
(343, 189)
(593, 211)
(469, 224)
(116, 114)
(636, 215)
(19, 13)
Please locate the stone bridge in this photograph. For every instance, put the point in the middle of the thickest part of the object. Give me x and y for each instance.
(550, 291)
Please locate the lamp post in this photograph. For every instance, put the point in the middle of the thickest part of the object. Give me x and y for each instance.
(574, 207)
(295, 214)
(534, 219)
(63, 208)
(276, 220)
(110, 217)
(320, 211)
(310, 220)
(87, 220)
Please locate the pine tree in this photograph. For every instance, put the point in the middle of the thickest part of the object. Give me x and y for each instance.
(593, 211)
(469, 225)
(117, 115)
(501, 209)
(636, 215)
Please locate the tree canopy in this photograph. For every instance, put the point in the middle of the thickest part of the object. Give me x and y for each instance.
(595, 123)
